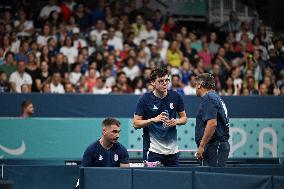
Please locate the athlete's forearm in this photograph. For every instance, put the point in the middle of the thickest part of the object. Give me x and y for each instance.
(138, 123)
(208, 133)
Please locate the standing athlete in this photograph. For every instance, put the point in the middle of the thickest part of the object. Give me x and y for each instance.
(212, 124)
(156, 113)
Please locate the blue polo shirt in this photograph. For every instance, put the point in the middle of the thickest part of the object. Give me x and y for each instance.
(97, 156)
(156, 137)
(212, 107)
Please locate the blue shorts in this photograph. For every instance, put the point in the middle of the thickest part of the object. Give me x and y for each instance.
(171, 160)
(216, 154)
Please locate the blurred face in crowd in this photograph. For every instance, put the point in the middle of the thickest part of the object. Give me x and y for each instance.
(21, 67)
(44, 66)
(262, 90)
(68, 88)
(59, 59)
(149, 25)
(175, 81)
(46, 88)
(139, 20)
(56, 78)
(3, 76)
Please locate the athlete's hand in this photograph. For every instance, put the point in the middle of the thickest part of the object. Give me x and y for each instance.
(160, 118)
(199, 153)
(171, 122)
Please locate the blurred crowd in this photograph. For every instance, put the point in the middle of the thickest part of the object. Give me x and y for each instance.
(112, 47)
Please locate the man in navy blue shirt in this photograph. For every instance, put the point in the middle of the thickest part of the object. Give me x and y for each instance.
(156, 113)
(107, 152)
(212, 124)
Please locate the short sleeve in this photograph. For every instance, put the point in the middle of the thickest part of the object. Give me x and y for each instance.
(87, 158)
(210, 110)
(124, 157)
(140, 110)
(180, 106)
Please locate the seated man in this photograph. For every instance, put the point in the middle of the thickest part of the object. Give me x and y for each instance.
(107, 152)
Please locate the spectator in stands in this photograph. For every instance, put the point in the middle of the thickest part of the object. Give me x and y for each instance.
(123, 83)
(100, 87)
(149, 34)
(22, 55)
(4, 84)
(281, 90)
(213, 45)
(44, 36)
(138, 86)
(138, 26)
(262, 91)
(66, 8)
(69, 50)
(233, 24)
(158, 20)
(59, 66)
(47, 9)
(131, 69)
(189, 52)
(174, 55)
(56, 86)
(190, 88)
(32, 69)
(114, 41)
(107, 148)
(99, 31)
(27, 109)
(9, 66)
(82, 18)
(20, 77)
(229, 89)
(177, 84)
(26, 27)
(68, 88)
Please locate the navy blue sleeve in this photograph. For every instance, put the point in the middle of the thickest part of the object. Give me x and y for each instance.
(124, 157)
(140, 110)
(180, 104)
(87, 158)
(210, 110)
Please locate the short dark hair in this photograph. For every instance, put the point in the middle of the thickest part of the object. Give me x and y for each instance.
(25, 104)
(159, 72)
(110, 121)
(206, 80)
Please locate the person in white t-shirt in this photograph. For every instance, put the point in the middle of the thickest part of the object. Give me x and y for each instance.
(150, 35)
(56, 86)
(190, 88)
(75, 74)
(99, 31)
(100, 87)
(131, 70)
(69, 50)
(20, 77)
(47, 9)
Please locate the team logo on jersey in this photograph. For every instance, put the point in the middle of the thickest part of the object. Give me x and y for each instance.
(115, 157)
(172, 105)
(101, 158)
(155, 107)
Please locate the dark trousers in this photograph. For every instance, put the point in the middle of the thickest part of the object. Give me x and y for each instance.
(170, 160)
(216, 154)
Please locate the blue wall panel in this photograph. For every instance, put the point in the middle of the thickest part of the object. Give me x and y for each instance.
(56, 105)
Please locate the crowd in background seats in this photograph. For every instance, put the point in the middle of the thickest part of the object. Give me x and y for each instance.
(111, 47)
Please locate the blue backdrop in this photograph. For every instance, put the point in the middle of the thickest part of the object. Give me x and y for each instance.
(55, 105)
